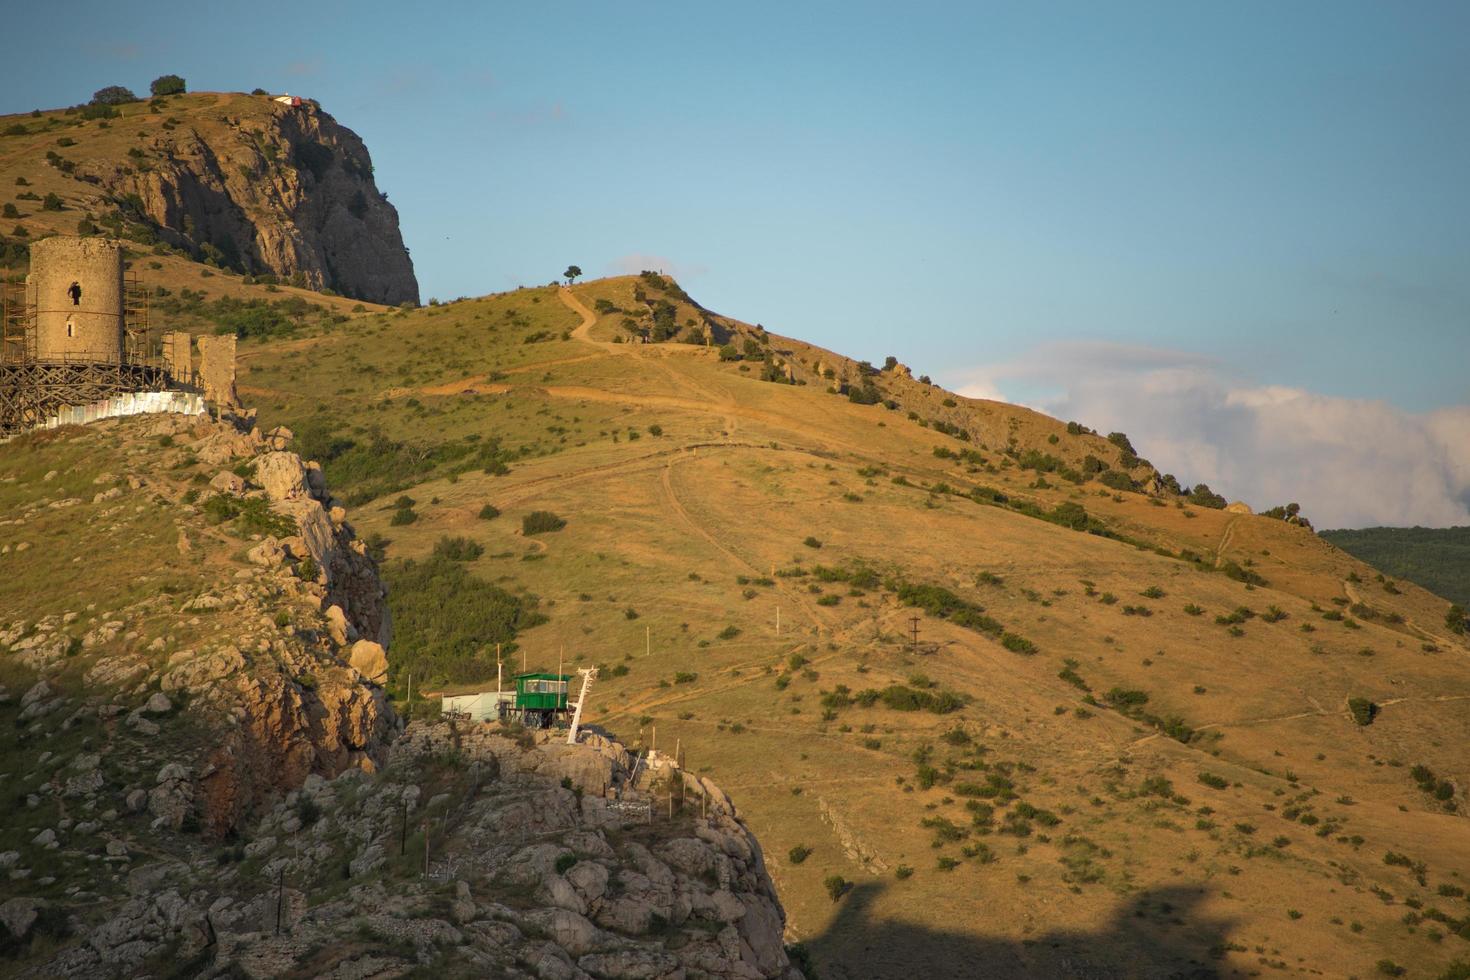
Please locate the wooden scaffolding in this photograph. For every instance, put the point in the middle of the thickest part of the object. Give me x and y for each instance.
(32, 390)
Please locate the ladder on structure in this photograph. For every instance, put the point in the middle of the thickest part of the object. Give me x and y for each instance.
(587, 674)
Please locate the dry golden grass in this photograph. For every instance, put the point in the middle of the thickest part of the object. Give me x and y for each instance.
(1132, 879)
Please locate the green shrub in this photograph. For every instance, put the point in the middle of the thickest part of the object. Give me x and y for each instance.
(1213, 781)
(811, 542)
(1363, 710)
(1017, 644)
(489, 512)
(836, 886)
(446, 622)
(541, 522)
(728, 633)
(458, 549)
(167, 85)
(799, 853)
(402, 517)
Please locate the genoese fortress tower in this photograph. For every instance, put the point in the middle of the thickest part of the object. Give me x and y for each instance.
(76, 344)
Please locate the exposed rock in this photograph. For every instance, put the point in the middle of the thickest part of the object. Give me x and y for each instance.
(226, 482)
(370, 660)
(171, 801)
(282, 190)
(19, 914)
(1239, 507)
(282, 475)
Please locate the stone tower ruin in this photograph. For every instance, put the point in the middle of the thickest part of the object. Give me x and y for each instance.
(76, 342)
(76, 285)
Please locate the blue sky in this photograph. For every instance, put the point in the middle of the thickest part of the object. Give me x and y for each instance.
(1274, 194)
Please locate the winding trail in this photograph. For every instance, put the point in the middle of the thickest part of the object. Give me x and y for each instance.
(1225, 541)
(1356, 598)
(583, 332)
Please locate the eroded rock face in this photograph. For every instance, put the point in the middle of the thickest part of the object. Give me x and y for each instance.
(273, 189)
(525, 877)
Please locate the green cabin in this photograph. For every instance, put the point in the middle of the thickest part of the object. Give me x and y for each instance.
(540, 697)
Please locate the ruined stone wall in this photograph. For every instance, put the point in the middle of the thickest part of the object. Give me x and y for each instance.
(217, 370)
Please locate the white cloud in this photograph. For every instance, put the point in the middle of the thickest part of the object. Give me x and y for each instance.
(1349, 462)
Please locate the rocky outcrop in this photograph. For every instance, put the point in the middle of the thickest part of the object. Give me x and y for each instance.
(248, 682)
(267, 188)
(497, 852)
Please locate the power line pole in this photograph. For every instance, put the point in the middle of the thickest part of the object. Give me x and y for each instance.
(914, 621)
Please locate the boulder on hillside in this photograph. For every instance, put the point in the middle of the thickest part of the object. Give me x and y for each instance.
(370, 660)
(282, 475)
(1238, 507)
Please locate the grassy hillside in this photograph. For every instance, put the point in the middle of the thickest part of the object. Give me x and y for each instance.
(1437, 558)
(1123, 742)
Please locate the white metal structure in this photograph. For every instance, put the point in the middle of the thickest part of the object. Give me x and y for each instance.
(587, 674)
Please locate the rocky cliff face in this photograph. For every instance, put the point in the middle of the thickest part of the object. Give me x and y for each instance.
(478, 851)
(277, 657)
(267, 188)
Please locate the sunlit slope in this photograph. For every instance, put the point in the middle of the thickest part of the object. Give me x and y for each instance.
(1236, 815)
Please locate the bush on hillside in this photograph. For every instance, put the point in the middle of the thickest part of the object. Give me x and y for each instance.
(1363, 710)
(1455, 619)
(113, 95)
(167, 85)
(489, 512)
(458, 549)
(1115, 480)
(541, 522)
(1203, 496)
(836, 886)
(446, 621)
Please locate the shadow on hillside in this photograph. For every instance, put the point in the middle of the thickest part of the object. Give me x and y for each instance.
(1154, 933)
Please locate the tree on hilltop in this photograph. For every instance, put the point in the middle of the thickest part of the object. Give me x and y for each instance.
(573, 271)
(168, 85)
(113, 95)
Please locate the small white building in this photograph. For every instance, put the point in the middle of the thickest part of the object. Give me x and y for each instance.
(291, 100)
(484, 706)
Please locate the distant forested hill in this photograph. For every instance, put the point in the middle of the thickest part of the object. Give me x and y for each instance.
(1436, 558)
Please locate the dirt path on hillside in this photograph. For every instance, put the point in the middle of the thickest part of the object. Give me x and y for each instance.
(667, 482)
(1355, 597)
(1225, 541)
(583, 331)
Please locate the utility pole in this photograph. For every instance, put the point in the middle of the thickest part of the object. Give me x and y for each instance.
(915, 623)
(778, 620)
(647, 641)
(498, 681)
(410, 691)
